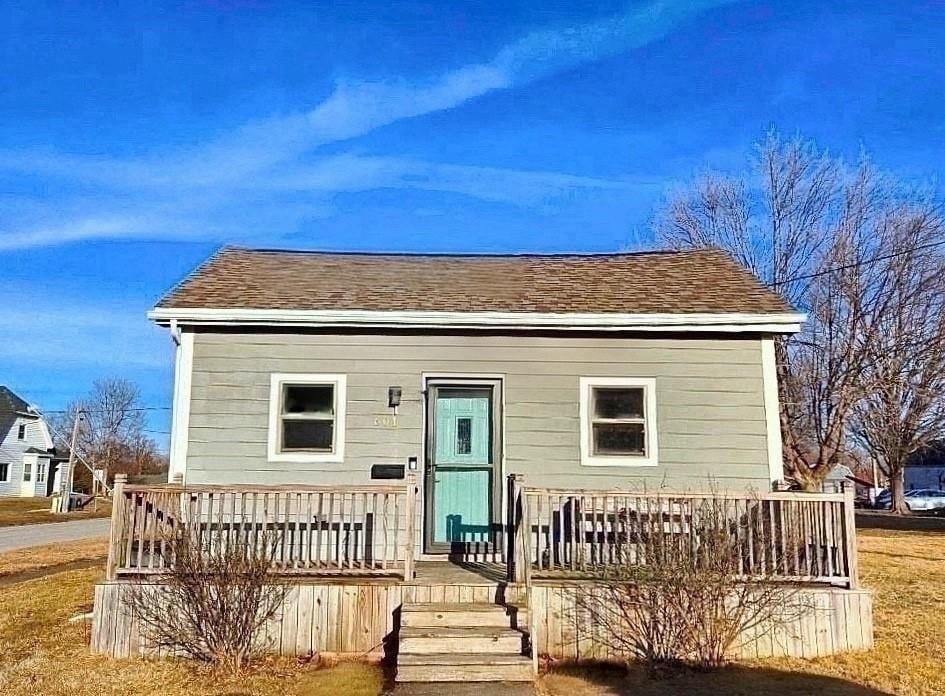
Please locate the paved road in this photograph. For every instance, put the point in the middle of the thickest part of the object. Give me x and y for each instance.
(12, 538)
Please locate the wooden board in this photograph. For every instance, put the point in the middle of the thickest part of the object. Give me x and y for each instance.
(358, 619)
(826, 621)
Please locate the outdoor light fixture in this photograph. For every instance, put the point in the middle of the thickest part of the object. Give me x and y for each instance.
(393, 396)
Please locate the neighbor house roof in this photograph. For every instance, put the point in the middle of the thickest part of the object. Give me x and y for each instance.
(250, 282)
(10, 403)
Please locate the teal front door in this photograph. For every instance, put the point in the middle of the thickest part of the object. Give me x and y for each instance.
(460, 467)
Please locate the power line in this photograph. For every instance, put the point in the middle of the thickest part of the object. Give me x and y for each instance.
(884, 257)
(98, 411)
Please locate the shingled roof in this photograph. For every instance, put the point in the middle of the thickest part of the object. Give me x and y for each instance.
(704, 281)
(10, 403)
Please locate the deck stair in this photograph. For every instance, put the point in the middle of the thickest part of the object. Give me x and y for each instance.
(463, 642)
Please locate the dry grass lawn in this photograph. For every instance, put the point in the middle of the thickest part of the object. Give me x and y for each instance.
(17, 511)
(907, 571)
(41, 653)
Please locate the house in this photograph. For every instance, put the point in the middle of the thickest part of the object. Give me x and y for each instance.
(471, 428)
(651, 368)
(926, 468)
(29, 465)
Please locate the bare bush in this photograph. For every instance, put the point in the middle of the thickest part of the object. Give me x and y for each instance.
(686, 589)
(214, 599)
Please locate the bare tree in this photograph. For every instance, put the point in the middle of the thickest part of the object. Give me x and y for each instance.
(813, 230)
(215, 598)
(904, 409)
(685, 590)
(112, 433)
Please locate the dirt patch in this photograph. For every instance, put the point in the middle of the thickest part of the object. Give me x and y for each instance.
(50, 556)
(876, 519)
(33, 573)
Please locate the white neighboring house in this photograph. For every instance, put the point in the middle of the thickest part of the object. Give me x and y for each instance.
(29, 465)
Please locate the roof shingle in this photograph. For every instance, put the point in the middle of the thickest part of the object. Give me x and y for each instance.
(670, 282)
(10, 403)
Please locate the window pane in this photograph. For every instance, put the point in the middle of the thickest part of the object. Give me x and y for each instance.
(463, 435)
(4, 471)
(309, 398)
(618, 402)
(309, 435)
(618, 438)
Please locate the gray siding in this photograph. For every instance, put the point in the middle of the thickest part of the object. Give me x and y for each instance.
(711, 418)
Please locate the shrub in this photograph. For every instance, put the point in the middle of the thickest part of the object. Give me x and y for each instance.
(214, 598)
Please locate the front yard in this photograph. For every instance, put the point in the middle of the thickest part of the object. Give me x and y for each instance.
(17, 511)
(40, 652)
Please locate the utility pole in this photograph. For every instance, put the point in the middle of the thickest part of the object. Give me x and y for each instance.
(67, 480)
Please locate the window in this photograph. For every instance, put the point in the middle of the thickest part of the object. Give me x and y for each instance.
(41, 472)
(4, 472)
(464, 436)
(618, 421)
(27, 471)
(21, 432)
(306, 417)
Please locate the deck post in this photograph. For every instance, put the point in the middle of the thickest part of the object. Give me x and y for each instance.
(519, 558)
(410, 543)
(849, 533)
(116, 526)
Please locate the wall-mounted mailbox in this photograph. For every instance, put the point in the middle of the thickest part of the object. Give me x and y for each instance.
(387, 471)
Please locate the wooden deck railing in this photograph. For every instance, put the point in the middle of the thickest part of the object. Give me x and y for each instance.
(318, 530)
(794, 537)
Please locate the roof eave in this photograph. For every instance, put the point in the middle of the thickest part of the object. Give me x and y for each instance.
(775, 323)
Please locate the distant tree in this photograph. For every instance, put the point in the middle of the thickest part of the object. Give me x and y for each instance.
(814, 230)
(111, 433)
(903, 412)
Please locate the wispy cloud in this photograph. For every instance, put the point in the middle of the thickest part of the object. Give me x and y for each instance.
(185, 193)
(350, 172)
(63, 336)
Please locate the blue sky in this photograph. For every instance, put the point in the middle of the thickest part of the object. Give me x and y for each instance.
(136, 139)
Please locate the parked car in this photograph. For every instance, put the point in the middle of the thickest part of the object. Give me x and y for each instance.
(926, 499)
(918, 500)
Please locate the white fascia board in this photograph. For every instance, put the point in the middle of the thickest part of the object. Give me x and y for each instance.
(788, 322)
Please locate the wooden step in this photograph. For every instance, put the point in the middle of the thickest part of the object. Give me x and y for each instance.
(464, 667)
(427, 640)
(459, 615)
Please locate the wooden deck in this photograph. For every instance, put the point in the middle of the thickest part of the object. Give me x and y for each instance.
(454, 572)
(349, 556)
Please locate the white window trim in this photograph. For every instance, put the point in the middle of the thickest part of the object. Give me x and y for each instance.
(180, 418)
(277, 379)
(652, 450)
